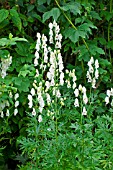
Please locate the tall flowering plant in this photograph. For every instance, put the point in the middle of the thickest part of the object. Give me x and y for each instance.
(60, 109)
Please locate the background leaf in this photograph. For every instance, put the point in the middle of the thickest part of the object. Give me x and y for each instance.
(55, 13)
(3, 14)
(16, 19)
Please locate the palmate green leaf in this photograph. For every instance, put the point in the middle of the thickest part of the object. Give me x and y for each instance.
(16, 19)
(95, 49)
(104, 62)
(22, 83)
(23, 73)
(73, 34)
(74, 7)
(3, 14)
(95, 15)
(55, 13)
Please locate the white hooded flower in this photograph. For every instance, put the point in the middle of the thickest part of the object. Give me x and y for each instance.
(106, 100)
(40, 118)
(84, 112)
(96, 64)
(50, 25)
(34, 112)
(76, 103)
(108, 93)
(85, 99)
(58, 94)
(80, 87)
(16, 96)
(17, 103)
(76, 92)
(15, 111)
(2, 114)
(96, 74)
(94, 83)
(7, 112)
(32, 91)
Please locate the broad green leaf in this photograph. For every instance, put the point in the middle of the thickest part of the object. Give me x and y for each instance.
(17, 81)
(95, 49)
(4, 23)
(11, 41)
(108, 15)
(4, 41)
(40, 2)
(23, 73)
(100, 50)
(48, 2)
(84, 27)
(19, 39)
(55, 13)
(71, 33)
(95, 15)
(35, 15)
(110, 44)
(30, 7)
(102, 41)
(3, 14)
(25, 85)
(74, 7)
(16, 19)
(22, 49)
(104, 62)
(20, 2)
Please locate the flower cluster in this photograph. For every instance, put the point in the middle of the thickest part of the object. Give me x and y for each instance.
(47, 61)
(83, 98)
(16, 104)
(5, 63)
(71, 74)
(36, 92)
(107, 98)
(54, 30)
(93, 73)
(4, 104)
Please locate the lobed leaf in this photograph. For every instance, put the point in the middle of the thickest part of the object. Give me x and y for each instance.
(3, 14)
(16, 19)
(55, 13)
(74, 7)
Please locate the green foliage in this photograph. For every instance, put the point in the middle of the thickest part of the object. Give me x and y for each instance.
(16, 19)
(86, 27)
(3, 14)
(55, 13)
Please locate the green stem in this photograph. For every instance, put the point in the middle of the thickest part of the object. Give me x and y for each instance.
(69, 20)
(71, 24)
(81, 106)
(36, 138)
